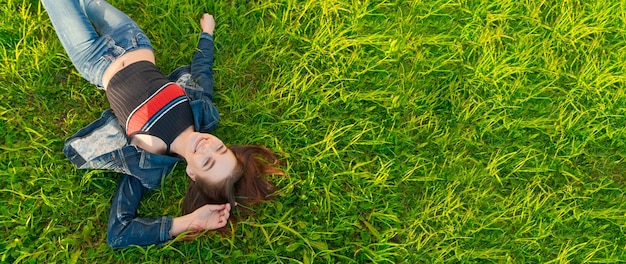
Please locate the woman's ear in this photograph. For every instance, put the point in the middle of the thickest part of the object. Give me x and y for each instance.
(190, 173)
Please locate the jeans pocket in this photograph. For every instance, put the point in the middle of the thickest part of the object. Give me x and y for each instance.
(114, 50)
(141, 40)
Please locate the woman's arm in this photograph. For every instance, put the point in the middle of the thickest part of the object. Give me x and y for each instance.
(202, 64)
(126, 229)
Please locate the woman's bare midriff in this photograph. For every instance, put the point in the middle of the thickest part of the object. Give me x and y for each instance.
(125, 60)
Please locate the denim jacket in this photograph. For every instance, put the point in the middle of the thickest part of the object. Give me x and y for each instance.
(103, 145)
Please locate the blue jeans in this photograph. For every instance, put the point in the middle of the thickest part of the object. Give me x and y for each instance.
(94, 34)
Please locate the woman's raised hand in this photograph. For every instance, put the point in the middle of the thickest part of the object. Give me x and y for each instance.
(207, 217)
(210, 216)
(207, 23)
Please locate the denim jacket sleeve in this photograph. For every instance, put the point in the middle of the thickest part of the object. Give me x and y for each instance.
(202, 65)
(124, 228)
(198, 82)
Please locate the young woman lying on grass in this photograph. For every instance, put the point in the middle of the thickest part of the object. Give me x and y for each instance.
(154, 122)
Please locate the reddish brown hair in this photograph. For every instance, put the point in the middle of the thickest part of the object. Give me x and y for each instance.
(246, 185)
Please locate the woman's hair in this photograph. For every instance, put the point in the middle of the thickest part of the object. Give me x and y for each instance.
(245, 185)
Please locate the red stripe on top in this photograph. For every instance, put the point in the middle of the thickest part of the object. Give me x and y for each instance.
(144, 112)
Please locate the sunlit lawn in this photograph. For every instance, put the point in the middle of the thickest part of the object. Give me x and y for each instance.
(412, 131)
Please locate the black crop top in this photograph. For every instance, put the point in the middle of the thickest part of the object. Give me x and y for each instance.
(144, 101)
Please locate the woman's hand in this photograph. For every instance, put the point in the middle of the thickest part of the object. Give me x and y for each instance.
(207, 23)
(207, 217)
(210, 216)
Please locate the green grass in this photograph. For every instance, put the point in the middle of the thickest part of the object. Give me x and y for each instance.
(412, 131)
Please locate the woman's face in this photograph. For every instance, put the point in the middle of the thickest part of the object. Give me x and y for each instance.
(208, 158)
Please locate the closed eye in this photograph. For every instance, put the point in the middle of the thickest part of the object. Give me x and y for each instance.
(208, 164)
(222, 149)
(212, 162)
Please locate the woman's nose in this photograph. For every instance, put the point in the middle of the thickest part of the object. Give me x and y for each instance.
(208, 148)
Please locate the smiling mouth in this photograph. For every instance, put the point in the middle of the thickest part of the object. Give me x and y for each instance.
(198, 143)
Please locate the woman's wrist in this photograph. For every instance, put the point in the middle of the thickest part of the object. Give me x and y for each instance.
(180, 225)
